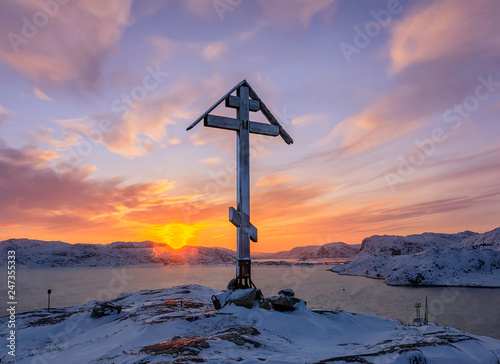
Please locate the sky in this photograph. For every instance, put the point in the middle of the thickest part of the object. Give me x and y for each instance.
(393, 107)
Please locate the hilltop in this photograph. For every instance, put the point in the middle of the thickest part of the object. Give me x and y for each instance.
(463, 259)
(179, 325)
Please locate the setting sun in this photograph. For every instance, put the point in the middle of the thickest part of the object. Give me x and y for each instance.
(175, 235)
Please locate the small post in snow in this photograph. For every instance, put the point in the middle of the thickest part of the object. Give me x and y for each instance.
(48, 304)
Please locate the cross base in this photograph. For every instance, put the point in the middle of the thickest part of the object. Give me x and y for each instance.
(243, 279)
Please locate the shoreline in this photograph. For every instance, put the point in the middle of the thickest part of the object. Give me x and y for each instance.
(411, 285)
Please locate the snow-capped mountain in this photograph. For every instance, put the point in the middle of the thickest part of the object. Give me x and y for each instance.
(463, 259)
(179, 325)
(40, 254)
(331, 250)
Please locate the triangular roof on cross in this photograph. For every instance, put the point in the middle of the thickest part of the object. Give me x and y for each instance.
(253, 95)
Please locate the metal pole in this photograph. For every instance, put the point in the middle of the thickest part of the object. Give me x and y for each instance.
(48, 305)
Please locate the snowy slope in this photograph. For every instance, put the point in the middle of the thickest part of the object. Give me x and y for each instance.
(40, 254)
(463, 259)
(178, 325)
(331, 250)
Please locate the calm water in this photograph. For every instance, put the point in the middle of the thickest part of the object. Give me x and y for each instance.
(471, 309)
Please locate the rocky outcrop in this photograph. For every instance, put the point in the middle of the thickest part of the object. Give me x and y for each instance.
(285, 301)
(252, 297)
(104, 309)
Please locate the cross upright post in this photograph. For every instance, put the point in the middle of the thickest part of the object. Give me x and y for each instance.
(246, 100)
(243, 187)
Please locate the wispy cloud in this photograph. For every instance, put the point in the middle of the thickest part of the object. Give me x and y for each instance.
(275, 179)
(445, 30)
(39, 94)
(211, 161)
(437, 53)
(215, 51)
(304, 120)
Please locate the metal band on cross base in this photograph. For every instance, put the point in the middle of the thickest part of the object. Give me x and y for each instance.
(246, 100)
(244, 274)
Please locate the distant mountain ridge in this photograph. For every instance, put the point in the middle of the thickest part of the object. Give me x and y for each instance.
(41, 254)
(45, 254)
(330, 250)
(463, 259)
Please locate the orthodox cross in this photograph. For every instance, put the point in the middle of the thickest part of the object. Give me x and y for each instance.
(246, 100)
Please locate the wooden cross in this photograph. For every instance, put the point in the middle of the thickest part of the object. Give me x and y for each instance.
(246, 100)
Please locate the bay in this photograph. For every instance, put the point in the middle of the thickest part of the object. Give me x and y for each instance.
(474, 310)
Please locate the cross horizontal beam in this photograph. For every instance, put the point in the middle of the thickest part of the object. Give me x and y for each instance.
(234, 102)
(235, 218)
(222, 122)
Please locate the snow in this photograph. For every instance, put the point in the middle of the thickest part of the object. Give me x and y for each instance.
(154, 327)
(463, 259)
(48, 254)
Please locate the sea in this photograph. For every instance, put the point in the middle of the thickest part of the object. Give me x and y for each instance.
(473, 310)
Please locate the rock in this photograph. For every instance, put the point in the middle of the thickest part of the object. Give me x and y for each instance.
(265, 305)
(216, 302)
(104, 309)
(287, 292)
(285, 301)
(239, 297)
(220, 300)
(245, 297)
(232, 285)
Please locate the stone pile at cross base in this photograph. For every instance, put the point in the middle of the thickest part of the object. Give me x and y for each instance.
(253, 297)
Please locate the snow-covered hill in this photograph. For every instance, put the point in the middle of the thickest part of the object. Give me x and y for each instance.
(331, 250)
(41, 254)
(179, 325)
(463, 259)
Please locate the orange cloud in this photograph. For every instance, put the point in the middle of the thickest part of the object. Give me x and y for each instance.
(395, 115)
(210, 161)
(33, 194)
(139, 129)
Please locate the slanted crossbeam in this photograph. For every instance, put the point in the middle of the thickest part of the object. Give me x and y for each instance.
(246, 100)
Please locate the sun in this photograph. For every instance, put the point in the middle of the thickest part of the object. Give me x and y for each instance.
(176, 235)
